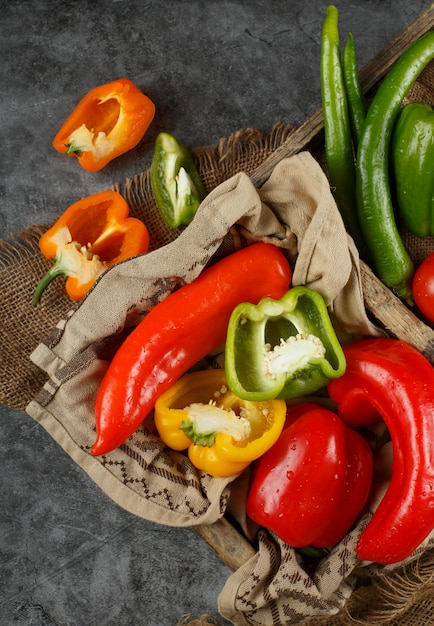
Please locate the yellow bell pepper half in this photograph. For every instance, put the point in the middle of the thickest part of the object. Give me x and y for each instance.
(222, 433)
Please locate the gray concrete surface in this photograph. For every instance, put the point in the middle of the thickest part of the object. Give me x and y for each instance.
(69, 555)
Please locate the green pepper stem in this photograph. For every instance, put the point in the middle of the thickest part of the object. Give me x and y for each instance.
(206, 420)
(54, 271)
(312, 552)
(72, 150)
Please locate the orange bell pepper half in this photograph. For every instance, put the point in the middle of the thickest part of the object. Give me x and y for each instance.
(92, 235)
(107, 122)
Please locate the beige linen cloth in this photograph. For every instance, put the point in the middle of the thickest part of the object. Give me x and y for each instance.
(295, 210)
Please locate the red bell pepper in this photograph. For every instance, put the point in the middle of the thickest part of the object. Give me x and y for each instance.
(389, 379)
(311, 486)
(178, 332)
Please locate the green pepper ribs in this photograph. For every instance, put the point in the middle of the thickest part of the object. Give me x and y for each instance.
(176, 184)
(282, 348)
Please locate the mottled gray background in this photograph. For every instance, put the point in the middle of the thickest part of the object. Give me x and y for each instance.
(68, 554)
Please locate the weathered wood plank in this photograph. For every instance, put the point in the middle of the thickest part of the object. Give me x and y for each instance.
(395, 316)
(230, 545)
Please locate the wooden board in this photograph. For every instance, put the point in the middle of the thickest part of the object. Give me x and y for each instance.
(228, 543)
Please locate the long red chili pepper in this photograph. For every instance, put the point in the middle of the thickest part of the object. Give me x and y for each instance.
(177, 333)
(389, 379)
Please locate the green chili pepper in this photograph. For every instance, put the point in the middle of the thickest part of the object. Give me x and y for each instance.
(355, 97)
(413, 164)
(338, 141)
(376, 214)
(176, 184)
(282, 348)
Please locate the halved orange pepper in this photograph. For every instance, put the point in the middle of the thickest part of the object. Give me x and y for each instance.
(222, 433)
(92, 235)
(110, 120)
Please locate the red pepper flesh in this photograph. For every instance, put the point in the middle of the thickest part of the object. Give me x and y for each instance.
(392, 380)
(311, 486)
(178, 332)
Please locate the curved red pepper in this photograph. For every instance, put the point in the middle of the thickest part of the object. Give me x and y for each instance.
(390, 379)
(311, 486)
(177, 333)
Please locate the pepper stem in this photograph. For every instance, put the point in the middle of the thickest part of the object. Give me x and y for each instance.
(206, 420)
(54, 271)
(312, 552)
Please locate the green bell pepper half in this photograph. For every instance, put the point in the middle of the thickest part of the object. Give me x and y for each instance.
(176, 184)
(282, 348)
(413, 165)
